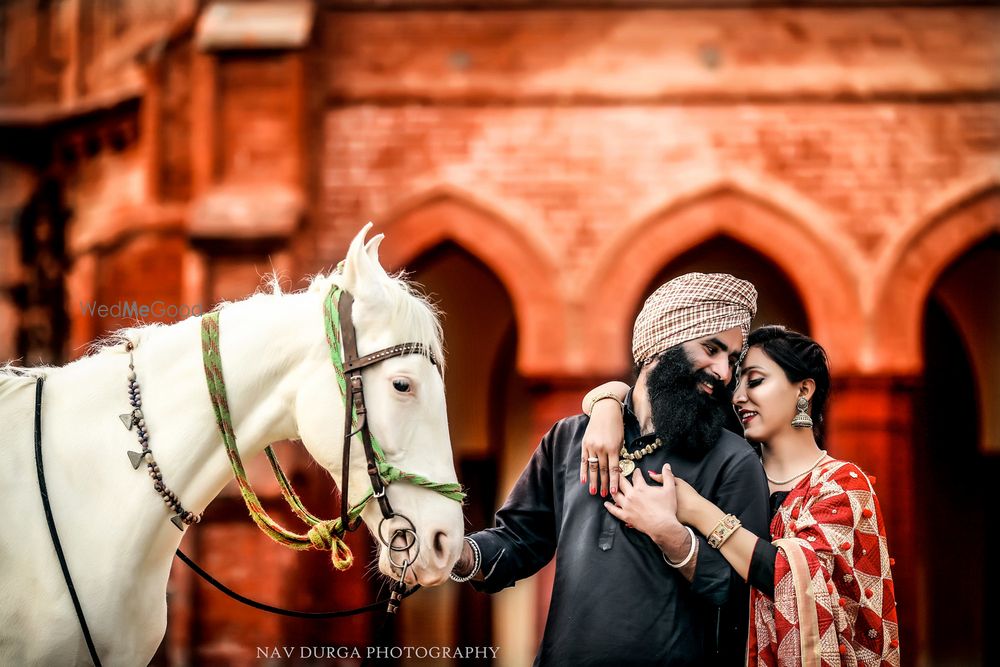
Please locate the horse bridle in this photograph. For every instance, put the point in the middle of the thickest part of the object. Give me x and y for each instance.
(325, 534)
(354, 404)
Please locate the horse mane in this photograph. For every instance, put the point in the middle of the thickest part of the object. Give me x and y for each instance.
(409, 307)
(13, 377)
(136, 333)
(9, 371)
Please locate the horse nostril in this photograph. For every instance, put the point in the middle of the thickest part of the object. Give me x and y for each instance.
(440, 544)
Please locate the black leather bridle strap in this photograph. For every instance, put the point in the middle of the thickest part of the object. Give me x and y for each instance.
(354, 403)
(53, 533)
(387, 353)
(347, 335)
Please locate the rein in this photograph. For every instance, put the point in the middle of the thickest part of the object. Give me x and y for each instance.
(341, 613)
(53, 533)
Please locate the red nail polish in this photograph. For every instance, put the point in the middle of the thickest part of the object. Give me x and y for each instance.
(604, 493)
(593, 491)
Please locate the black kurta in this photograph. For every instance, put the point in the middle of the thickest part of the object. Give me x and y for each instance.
(614, 600)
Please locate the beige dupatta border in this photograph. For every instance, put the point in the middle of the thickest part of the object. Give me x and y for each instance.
(805, 601)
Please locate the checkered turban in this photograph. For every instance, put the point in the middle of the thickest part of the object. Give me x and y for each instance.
(689, 307)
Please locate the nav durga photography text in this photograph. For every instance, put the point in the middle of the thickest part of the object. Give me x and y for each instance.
(378, 652)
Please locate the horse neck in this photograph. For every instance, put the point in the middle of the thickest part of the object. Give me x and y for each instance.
(265, 346)
(265, 342)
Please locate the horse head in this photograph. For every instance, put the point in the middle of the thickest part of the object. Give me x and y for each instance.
(406, 413)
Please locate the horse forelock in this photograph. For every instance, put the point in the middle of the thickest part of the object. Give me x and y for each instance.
(410, 311)
(414, 312)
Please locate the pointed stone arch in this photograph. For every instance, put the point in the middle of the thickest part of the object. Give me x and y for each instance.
(910, 267)
(816, 264)
(519, 260)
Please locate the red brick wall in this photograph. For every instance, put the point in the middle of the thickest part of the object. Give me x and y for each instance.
(572, 175)
(649, 54)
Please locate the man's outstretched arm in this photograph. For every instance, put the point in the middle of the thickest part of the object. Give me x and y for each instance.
(524, 538)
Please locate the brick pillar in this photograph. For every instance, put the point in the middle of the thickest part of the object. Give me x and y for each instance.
(17, 184)
(81, 293)
(871, 423)
(10, 276)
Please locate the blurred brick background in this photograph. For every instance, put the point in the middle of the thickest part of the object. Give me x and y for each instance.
(539, 168)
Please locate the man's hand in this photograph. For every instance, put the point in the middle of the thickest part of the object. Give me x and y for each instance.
(689, 502)
(654, 511)
(465, 562)
(649, 509)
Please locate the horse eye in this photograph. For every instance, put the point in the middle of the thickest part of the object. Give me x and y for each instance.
(401, 385)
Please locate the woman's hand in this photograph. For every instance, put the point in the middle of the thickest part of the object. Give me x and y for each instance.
(688, 501)
(602, 440)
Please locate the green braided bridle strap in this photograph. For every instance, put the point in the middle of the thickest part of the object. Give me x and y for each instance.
(389, 473)
(324, 535)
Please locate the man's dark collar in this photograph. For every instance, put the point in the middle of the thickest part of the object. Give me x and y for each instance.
(633, 433)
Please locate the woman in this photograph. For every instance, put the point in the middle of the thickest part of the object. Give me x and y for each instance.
(822, 591)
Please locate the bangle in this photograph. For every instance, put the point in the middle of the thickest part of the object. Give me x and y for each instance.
(687, 559)
(601, 397)
(723, 531)
(477, 561)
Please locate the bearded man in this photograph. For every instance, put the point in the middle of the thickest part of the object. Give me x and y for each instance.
(618, 598)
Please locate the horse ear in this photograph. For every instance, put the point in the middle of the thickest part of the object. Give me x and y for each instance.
(357, 264)
(371, 249)
(364, 277)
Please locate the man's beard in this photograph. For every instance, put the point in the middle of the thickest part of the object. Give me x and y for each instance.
(686, 418)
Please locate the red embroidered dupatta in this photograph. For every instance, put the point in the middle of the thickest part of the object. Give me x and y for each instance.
(834, 602)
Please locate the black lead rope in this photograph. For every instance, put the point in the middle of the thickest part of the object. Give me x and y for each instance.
(40, 467)
(383, 638)
(286, 612)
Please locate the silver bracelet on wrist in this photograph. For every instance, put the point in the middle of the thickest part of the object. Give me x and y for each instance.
(687, 559)
(477, 561)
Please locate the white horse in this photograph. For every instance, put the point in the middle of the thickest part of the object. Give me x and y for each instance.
(115, 530)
